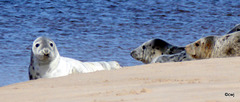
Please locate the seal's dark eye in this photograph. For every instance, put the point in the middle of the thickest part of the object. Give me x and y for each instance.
(37, 45)
(51, 44)
(143, 47)
(197, 44)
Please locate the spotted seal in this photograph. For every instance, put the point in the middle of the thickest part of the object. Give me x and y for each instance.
(215, 46)
(151, 50)
(46, 62)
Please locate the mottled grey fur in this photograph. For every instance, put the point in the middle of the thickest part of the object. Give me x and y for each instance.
(177, 57)
(227, 45)
(149, 51)
(218, 46)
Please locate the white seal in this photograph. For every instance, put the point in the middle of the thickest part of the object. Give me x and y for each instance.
(47, 63)
(151, 50)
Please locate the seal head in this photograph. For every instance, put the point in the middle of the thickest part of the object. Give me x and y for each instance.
(44, 56)
(44, 50)
(201, 48)
(153, 49)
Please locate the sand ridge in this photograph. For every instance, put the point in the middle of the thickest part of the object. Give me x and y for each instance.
(209, 80)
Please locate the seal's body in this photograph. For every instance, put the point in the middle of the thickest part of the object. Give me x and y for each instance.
(47, 63)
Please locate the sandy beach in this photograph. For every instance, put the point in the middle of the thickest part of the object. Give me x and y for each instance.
(210, 80)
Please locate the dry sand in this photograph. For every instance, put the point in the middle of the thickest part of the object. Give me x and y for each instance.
(193, 81)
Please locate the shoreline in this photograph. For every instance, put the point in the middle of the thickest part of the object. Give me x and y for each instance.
(208, 80)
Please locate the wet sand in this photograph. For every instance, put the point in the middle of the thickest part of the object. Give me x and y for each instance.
(210, 80)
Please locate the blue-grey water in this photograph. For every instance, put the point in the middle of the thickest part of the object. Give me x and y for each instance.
(104, 30)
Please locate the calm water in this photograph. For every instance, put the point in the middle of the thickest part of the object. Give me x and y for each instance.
(104, 30)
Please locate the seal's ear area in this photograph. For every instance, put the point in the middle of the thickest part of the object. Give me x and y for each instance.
(234, 29)
(190, 50)
(209, 42)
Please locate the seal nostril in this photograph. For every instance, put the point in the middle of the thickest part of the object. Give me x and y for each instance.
(45, 51)
(132, 53)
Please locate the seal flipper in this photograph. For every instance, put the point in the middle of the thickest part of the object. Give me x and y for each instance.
(31, 68)
(30, 76)
(31, 73)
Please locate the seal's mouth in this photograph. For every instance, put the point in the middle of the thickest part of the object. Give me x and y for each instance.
(139, 59)
(194, 56)
(45, 58)
(136, 56)
(46, 55)
(144, 61)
